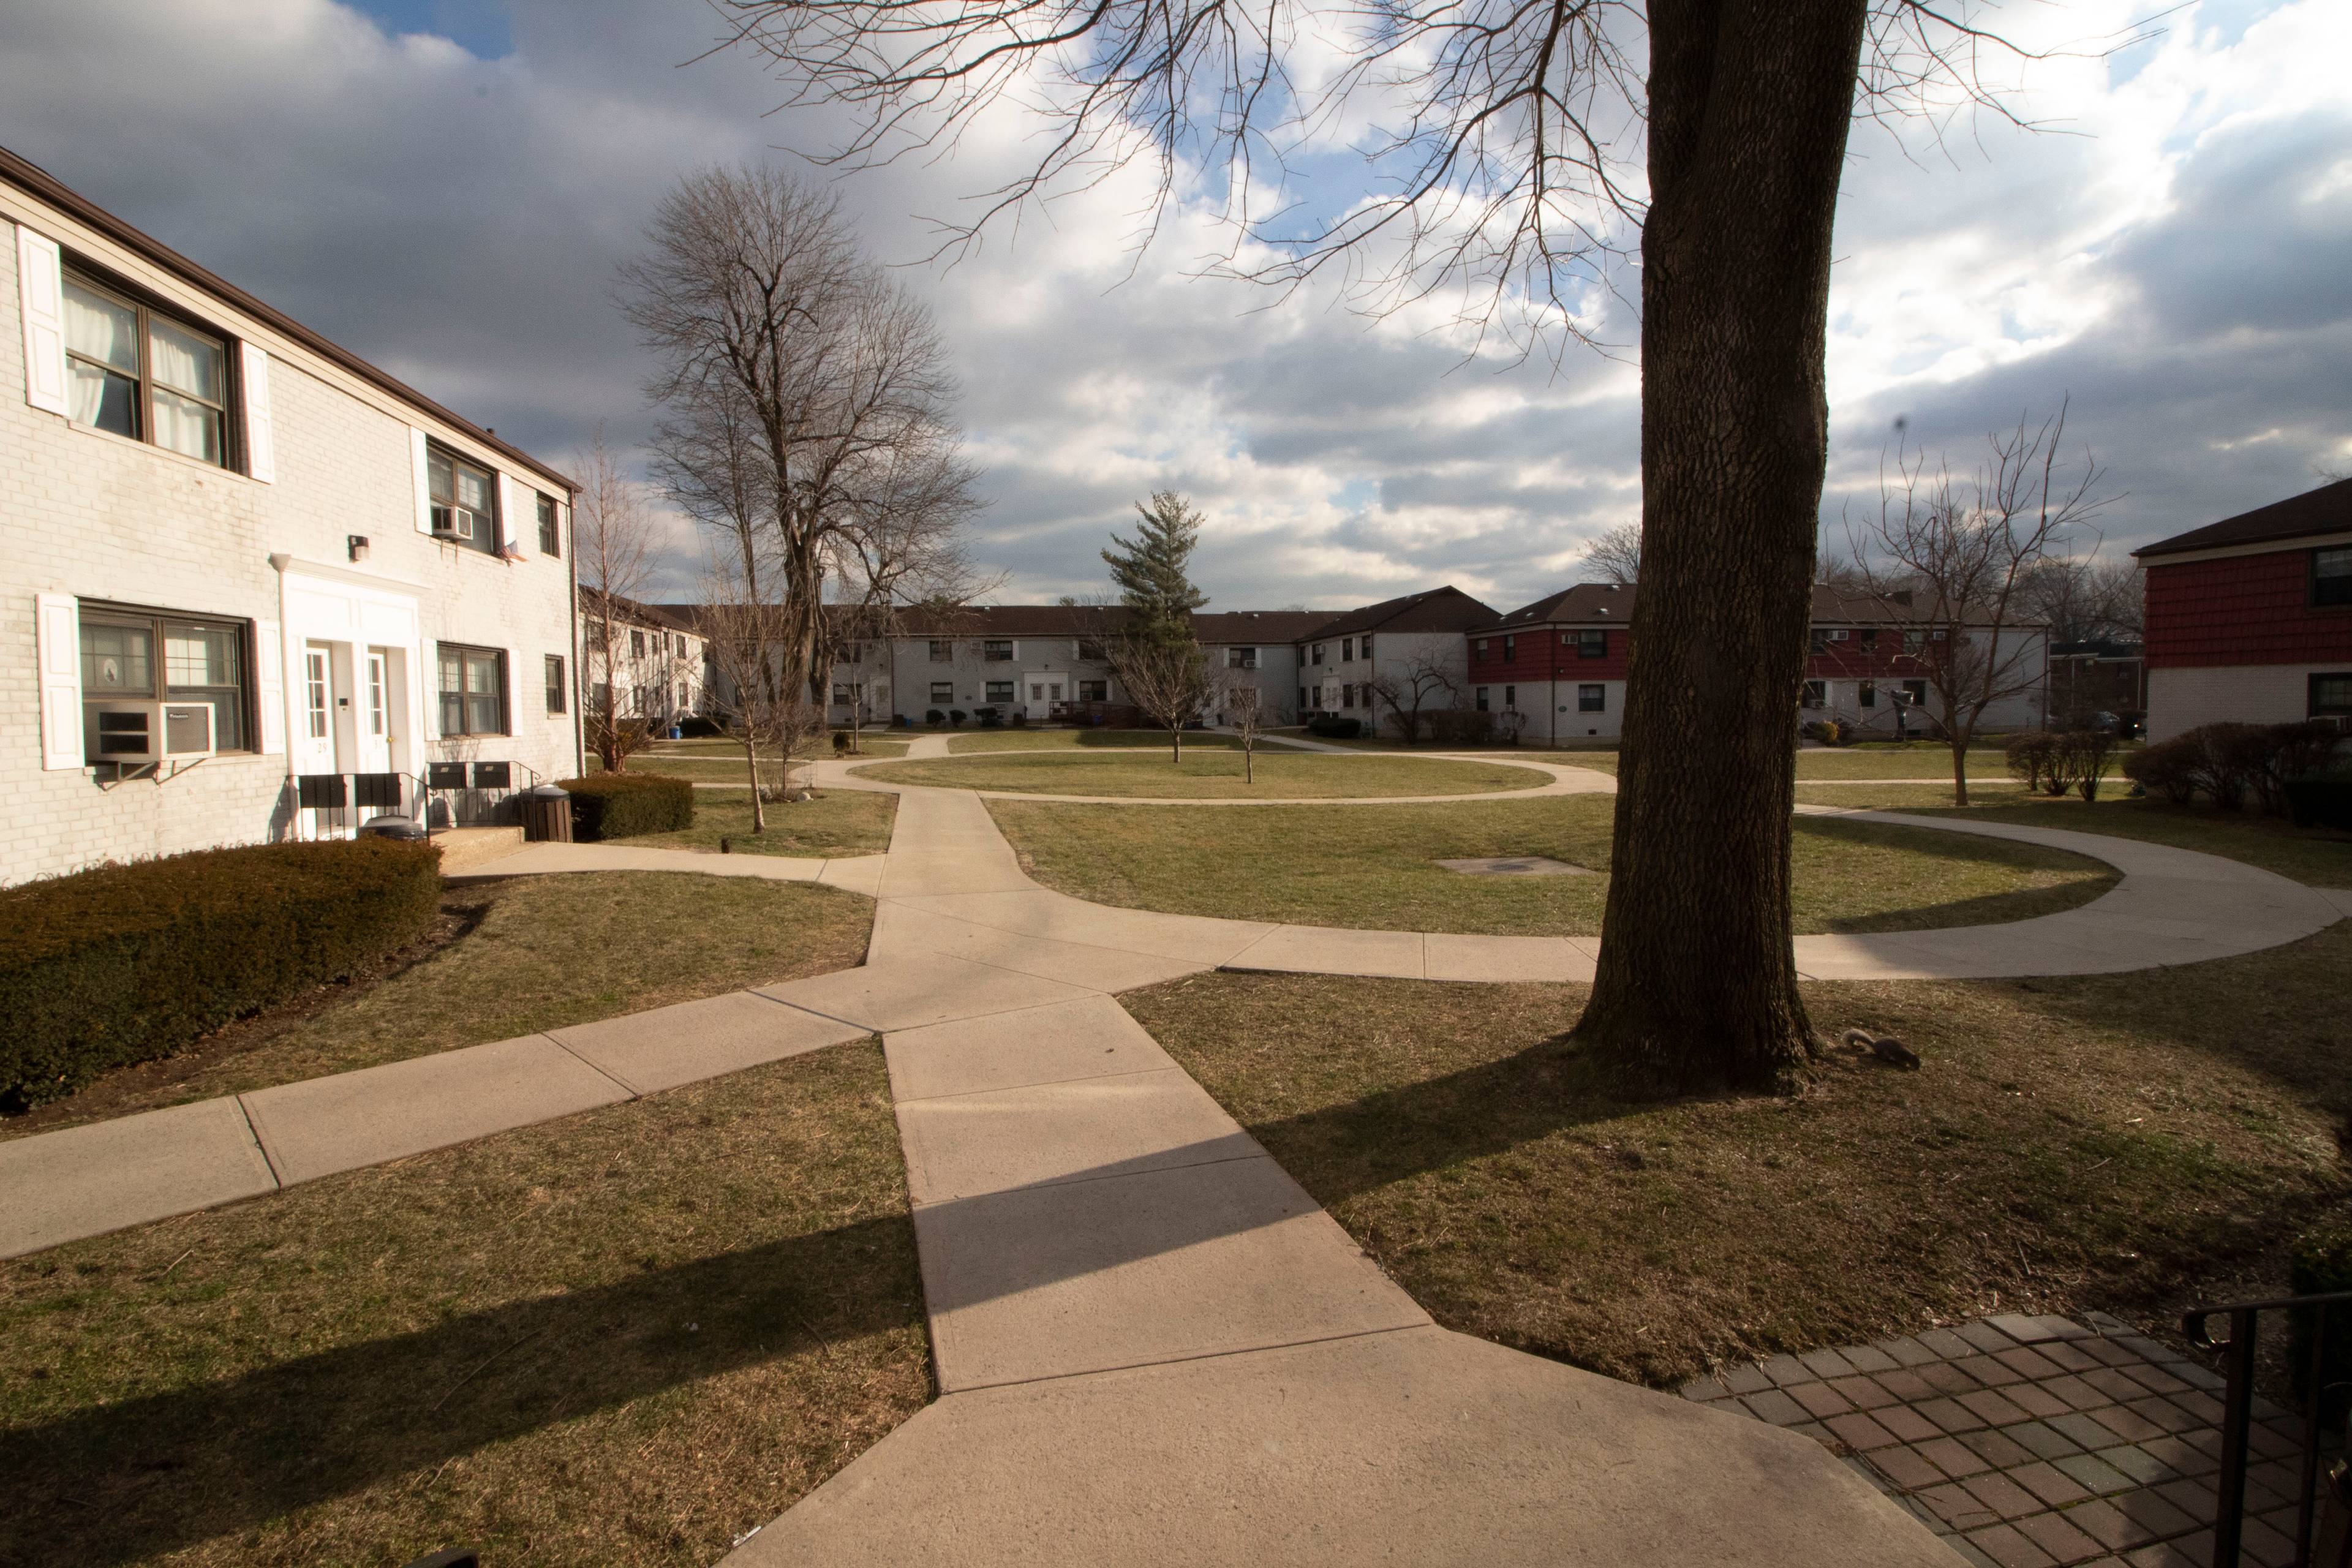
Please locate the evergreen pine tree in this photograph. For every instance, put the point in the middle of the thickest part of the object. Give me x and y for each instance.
(1149, 570)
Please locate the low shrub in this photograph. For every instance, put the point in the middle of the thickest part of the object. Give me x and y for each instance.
(2168, 769)
(694, 727)
(2322, 1265)
(2317, 801)
(841, 743)
(621, 806)
(127, 963)
(956, 717)
(1331, 727)
(1828, 732)
(1461, 727)
(2227, 763)
(989, 718)
(1020, 717)
(934, 718)
(2029, 757)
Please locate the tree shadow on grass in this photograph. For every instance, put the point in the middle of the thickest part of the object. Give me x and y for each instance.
(127, 1481)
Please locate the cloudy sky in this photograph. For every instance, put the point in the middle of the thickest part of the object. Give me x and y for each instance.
(446, 186)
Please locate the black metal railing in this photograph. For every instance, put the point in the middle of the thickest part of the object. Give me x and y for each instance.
(2323, 1489)
(474, 795)
(336, 806)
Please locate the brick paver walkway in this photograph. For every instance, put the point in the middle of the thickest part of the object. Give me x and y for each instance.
(2032, 1441)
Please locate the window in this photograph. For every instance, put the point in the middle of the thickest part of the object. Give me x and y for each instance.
(202, 661)
(842, 696)
(997, 652)
(1319, 654)
(942, 690)
(1821, 641)
(684, 700)
(1094, 691)
(1482, 647)
(1816, 694)
(1002, 691)
(554, 683)
(1347, 651)
(2331, 694)
(473, 691)
(851, 653)
(1510, 649)
(1347, 696)
(1592, 644)
(1091, 647)
(1866, 693)
(1914, 692)
(465, 508)
(139, 373)
(2331, 576)
(1870, 639)
(1241, 658)
(1482, 700)
(1510, 700)
(551, 530)
(1364, 648)
(1593, 698)
(942, 652)
(636, 643)
(1302, 700)
(314, 691)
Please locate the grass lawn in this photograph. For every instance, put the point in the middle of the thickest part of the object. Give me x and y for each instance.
(2317, 857)
(2111, 1141)
(516, 957)
(626, 1337)
(1281, 775)
(1373, 867)
(1025, 740)
(836, 822)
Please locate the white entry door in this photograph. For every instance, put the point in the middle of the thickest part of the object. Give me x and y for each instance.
(1043, 689)
(376, 712)
(313, 741)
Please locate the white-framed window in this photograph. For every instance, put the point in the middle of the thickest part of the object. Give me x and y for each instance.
(942, 690)
(556, 689)
(1241, 658)
(1347, 651)
(1003, 691)
(1593, 698)
(1094, 691)
(551, 528)
(1593, 643)
(996, 650)
(943, 650)
(314, 687)
(377, 698)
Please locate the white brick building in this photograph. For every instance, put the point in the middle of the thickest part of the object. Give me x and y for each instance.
(234, 555)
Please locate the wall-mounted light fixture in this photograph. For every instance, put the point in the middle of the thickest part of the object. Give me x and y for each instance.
(358, 545)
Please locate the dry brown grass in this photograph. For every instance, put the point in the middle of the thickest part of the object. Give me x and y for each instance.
(534, 954)
(2069, 1143)
(1375, 866)
(626, 1337)
(836, 822)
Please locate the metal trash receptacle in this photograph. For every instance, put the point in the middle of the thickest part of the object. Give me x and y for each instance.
(546, 814)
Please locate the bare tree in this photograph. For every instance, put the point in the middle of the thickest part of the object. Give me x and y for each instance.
(806, 392)
(1169, 680)
(1421, 683)
(1616, 554)
(1528, 144)
(1245, 707)
(613, 534)
(1966, 552)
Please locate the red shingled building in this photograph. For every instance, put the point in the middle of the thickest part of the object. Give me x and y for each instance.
(2251, 618)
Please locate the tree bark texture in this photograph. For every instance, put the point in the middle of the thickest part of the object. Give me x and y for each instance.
(1750, 104)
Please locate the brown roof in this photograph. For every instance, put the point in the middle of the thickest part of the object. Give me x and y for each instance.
(1446, 609)
(634, 612)
(2327, 510)
(32, 177)
(1215, 629)
(1606, 604)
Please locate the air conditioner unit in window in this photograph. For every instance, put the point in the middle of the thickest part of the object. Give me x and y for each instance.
(153, 732)
(452, 522)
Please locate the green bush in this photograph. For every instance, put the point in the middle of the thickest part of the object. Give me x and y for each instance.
(1332, 728)
(2322, 1265)
(127, 963)
(621, 806)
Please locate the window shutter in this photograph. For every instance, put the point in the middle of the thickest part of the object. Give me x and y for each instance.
(423, 480)
(518, 516)
(431, 653)
(41, 292)
(58, 632)
(269, 684)
(260, 448)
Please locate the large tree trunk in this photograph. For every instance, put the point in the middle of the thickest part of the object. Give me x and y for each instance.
(1750, 102)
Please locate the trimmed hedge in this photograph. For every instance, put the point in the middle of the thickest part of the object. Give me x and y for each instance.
(621, 806)
(2322, 1265)
(2228, 763)
(127, 963)
(1334, 729)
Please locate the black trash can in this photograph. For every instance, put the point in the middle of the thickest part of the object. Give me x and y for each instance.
(546, 814)
(392, 827)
